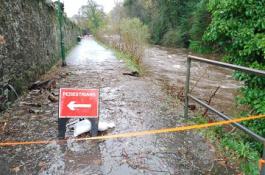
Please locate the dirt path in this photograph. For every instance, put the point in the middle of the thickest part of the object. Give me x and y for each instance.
(132, 103)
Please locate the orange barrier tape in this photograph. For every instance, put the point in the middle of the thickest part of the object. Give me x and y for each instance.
(139, 133)
(261, 163)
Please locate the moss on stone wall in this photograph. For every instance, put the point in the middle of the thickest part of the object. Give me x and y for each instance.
(31, 31)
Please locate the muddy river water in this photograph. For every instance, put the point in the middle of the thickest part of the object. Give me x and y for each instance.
(169, 65)
(133, 103)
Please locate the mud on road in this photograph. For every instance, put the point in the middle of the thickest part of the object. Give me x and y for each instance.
(133, 103)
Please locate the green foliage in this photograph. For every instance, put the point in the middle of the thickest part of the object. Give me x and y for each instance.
(200, 47)
(239, 150)
(232, 145)
(171, 22)
(172, 38)
(134, 36)
(94, 15)
(129, 60)
(130, 36)
(201, 18)
(238, 28)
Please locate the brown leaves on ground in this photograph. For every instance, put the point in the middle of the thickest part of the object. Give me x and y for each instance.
(16, 169)
(2, 126)
(2, 40)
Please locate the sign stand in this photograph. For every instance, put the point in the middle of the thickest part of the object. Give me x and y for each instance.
(94, 128)
(81, 104)
(62, 127)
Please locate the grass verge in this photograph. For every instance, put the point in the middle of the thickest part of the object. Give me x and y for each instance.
(231, 146)
(126, 57)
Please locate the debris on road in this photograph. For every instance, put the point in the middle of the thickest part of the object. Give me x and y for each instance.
(34, 111)
(64, 75)
(134, 74)
(29, 104)
(48, 84)
(84, 126)
(3, 126)
(104, 126)
(2, 40)
(52, 98)
(192, 107)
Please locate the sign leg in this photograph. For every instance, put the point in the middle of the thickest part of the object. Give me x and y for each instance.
(62, 127)
(94, 128)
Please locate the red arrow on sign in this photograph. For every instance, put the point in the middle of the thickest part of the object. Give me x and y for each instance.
(72, 105)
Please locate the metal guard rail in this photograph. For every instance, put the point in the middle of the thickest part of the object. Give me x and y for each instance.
(188, 96)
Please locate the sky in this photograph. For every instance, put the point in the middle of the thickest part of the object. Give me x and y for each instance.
(72, 6)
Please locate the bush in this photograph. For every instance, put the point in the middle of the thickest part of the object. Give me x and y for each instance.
(238, 28)
(129, 36)
(200, 47)
(134, 37)
(172, 38)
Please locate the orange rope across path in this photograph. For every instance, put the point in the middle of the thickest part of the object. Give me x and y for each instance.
(138, 133)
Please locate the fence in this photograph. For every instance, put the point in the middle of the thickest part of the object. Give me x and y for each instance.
(225, 117)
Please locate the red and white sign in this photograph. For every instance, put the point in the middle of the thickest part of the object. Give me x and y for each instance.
(78, 103)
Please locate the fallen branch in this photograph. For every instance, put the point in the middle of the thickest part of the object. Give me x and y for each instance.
(210, 100)
(48, 84)
(198, 80)
(180, 94)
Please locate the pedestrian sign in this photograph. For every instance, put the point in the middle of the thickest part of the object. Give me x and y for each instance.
(78, 103)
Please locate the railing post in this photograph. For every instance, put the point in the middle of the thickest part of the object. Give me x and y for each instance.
(61, 18)
(187, 88)
(262, 170)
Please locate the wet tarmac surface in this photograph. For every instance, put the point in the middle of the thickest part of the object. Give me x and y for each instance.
(133, 103)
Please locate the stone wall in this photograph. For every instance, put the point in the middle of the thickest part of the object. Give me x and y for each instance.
(30, 42)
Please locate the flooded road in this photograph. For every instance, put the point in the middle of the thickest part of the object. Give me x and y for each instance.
(132, 103)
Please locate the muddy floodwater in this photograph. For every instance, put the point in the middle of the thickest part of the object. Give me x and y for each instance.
(169, 66)
(132, 103)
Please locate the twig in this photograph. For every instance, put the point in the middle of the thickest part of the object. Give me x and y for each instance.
(210, 100)
(198, 80)
(180, 94)
(3, 127)
(232, 130)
